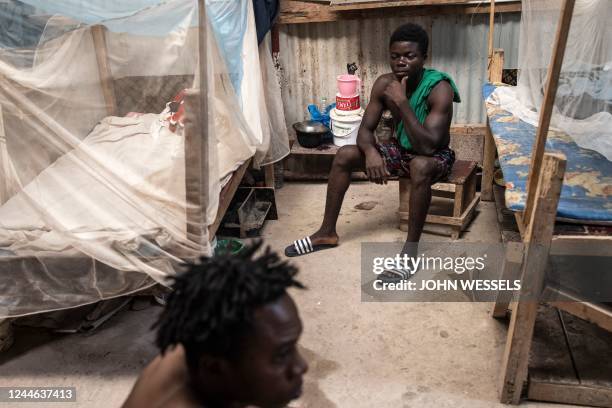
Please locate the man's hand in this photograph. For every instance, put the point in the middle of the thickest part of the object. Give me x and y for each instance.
(396, 92)
(376, 168)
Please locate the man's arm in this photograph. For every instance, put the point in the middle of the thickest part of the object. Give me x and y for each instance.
(433, 134)
(375, 165)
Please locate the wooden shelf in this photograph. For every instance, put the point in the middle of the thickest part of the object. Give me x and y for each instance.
(304, 11)
(326, 149)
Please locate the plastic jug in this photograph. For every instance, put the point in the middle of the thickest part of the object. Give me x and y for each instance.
(348, 85)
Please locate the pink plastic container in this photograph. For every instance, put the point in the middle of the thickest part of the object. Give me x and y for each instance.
(348, 85)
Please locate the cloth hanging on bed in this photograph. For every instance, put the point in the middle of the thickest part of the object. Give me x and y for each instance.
(266, 12)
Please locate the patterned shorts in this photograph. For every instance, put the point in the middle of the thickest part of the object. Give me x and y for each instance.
(398, 159)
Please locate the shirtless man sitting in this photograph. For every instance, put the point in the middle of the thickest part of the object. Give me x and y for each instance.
(421, 103)
(228, 338)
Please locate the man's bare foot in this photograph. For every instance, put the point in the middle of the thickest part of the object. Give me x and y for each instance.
(324, 238)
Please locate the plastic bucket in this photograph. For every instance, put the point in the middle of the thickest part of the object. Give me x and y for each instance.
(345, 128)
(348, 85)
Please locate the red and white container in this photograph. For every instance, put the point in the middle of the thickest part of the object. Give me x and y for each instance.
(350, 103)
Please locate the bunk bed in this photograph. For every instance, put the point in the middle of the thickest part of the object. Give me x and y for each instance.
(43, 280)
(560, 195)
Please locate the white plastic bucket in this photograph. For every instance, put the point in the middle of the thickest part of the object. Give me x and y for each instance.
(345, 128)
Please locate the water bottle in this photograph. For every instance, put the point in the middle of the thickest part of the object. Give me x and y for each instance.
(323, 105)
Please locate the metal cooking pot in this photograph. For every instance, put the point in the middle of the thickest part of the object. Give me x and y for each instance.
(310, 133)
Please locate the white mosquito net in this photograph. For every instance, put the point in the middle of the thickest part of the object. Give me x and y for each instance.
(93, 169)
(583, 105)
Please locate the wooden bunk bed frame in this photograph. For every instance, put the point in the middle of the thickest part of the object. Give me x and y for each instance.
(529, 257)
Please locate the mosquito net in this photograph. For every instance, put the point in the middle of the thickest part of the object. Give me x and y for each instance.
(100, 185)
(583, 105)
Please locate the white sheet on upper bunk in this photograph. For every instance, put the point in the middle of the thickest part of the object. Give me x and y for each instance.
(594, 132)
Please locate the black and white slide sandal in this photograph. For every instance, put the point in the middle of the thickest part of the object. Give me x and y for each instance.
(304, 246)
(394, 275)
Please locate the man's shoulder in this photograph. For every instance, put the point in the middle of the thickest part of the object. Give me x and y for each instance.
(381, 83)
(385, 78)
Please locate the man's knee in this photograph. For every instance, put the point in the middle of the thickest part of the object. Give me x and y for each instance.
(422, 169)
(347, 157)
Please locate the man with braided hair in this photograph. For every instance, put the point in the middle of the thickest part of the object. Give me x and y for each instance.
(228, 337)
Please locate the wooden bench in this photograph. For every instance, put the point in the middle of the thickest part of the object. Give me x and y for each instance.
(460, 186)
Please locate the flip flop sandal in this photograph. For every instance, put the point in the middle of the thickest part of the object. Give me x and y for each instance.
(304, 246)
(394, 275)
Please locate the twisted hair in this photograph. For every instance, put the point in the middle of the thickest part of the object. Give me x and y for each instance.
(413, 33)
(211, 306)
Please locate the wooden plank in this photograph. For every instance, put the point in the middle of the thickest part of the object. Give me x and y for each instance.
(343, 5)
(227, 193)
(570, 394)
(537, 238)
(98, 33)
(596, 313)
(550, 360)
(196, 144)
(491, 36)
(591, 348)
(269, 175)
(6, 334)
(581, 245)
(496, 66)
(205, 125)
(304, 11)
(9, 182)
(488, 165)
(195, 210)
(511, 270)
(458, 200)
(552, 81)
(328, 149)
(520, 223)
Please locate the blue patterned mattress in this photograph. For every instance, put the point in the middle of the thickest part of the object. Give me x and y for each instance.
(587, 185)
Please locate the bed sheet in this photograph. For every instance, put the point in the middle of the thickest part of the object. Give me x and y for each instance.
(587, 186)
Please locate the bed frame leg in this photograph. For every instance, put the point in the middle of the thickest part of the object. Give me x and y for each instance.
(510, 270)
(269, 175)
(538, 239)
(6, 334)
(488, 164)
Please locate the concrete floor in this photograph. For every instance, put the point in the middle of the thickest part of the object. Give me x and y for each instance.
(360, 354)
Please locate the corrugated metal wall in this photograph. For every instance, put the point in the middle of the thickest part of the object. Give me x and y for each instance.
(312, 55)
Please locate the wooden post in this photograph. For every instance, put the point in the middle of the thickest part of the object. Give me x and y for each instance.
(496, 67)
(270, 179)
(538, 238)
(552, 80)
(490, 42)
(98, 34)
(511, 270)
(205, 126)
(196, 145)
(488, 166)
(195, 210)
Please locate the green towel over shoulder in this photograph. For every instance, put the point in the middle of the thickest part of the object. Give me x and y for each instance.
(418, 100)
